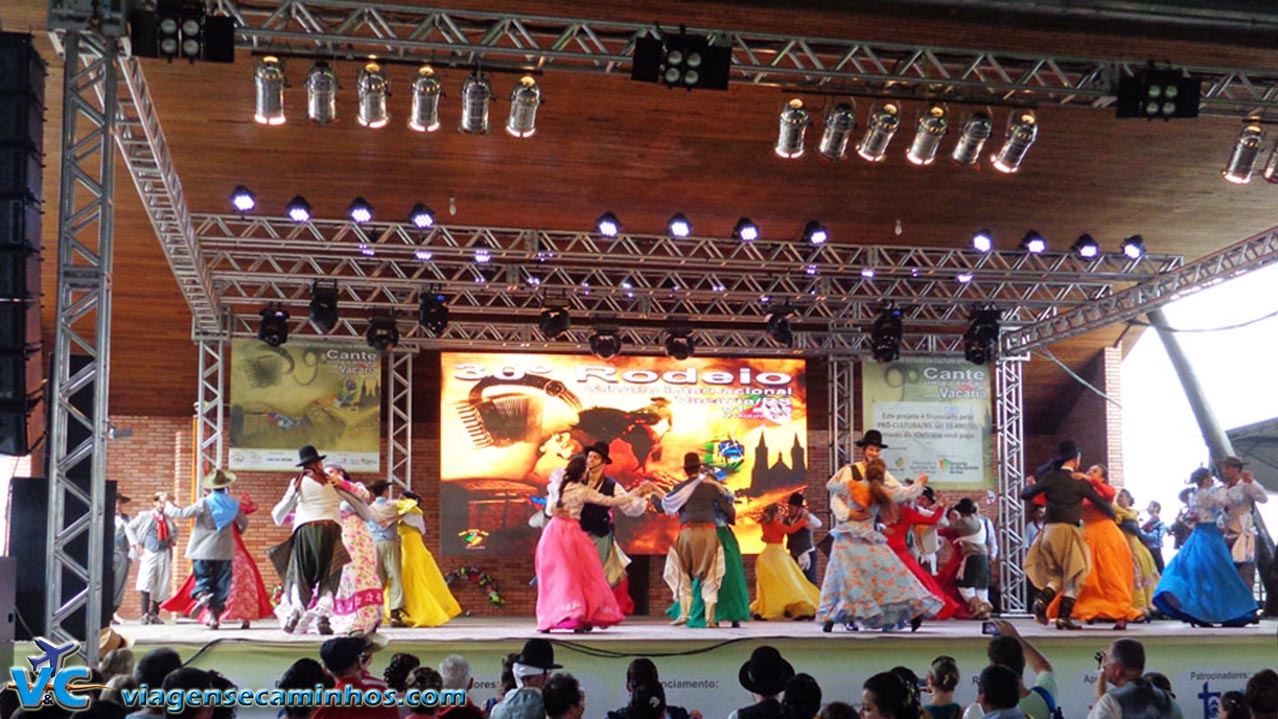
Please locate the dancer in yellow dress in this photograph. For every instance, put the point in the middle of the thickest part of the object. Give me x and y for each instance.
(781, 590)
(1147, 574)
(427, 601)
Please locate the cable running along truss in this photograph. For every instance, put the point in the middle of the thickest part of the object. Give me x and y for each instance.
(341, 28)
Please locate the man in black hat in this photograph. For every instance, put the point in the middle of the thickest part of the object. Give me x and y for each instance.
(384, 528)
(120, 557)
(696, 553)
(532, 669)
(764, 676)
(872, 447)
(799, 543)
(1059, 561)
(311, 560)
(974, 581)
(347, 659)
(596, 521)
(1240, 526)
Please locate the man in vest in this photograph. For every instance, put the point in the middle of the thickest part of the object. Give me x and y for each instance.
(799, 544)
(596, 520)
(153, 536)
(211, 548)
(1123, 693)
(1240, 526)
(121, 557)
(696, 553)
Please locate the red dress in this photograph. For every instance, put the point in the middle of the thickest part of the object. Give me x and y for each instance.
(248, 599)
(896, 535)
(947, 576)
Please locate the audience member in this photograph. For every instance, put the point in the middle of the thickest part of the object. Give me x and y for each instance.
(802, 699)
(424, 680)
(764, 676)
(507, 682)
(116, 662)
(643, 673)
(1123, 666)
(563, 697)
(455, 671)
(648, 701)
(222, 684)
(396, 673)
(838, 710)
(1011, 650)
(115, 685)
(942, 680)
(999, 693)
(347, 659)
(1232, 706)
(531, 670)
(305, 673)
(885, 696)
(1261, 696)
(185, 679)
(150, 673)
(1161, 681)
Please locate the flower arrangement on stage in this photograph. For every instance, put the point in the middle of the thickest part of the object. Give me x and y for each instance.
(485, 580)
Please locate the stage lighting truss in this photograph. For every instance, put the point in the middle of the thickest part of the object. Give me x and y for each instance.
(779, 328)
(273, 328)
(885, 335)
(323, 311)
(981, 337)
(605, 343)
(432, 313)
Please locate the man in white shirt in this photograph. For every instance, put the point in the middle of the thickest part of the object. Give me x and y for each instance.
(1240, 526)
(1121, 690)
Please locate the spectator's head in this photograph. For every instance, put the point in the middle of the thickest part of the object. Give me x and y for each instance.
(155, 666)
(1233, 706)
(456, 672)
(641, 672)
(304, 673)
(221, 683)
(1125, 661)
(397, 671)
(533, 665)
(943, 676)
(184, 679)
(1262, 695)
(647, 701)
(998, 688)
(911, 681)
(115, 685)
(766, 672)
(802, 697)
(885, 696)
(344, 656)
(1007, 652)
(563, 697)
(424, 680)
(1161, 681)
(508, 672)
(838, 710)
(117, 662)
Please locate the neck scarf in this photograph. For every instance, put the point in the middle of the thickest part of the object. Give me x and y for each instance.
(223, 507)
(161, 526)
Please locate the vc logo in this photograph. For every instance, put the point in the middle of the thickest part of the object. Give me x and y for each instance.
(48, 682)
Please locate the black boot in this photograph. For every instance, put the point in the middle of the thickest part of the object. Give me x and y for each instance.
(1045, 598)
(146, 607)
(1063, 619)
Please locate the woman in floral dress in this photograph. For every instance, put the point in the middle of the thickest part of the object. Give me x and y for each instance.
(357, 605)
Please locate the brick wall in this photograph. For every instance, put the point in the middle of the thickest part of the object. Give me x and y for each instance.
(1094, 423)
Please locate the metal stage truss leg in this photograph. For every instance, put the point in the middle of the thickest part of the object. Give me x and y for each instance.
(842, 410)
(399, 447)
(1010, 447)
(77, 473)
(209, 407)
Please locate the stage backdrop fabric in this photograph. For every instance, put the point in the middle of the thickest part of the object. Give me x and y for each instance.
(935, 417)
(508, 420)
(285, 397)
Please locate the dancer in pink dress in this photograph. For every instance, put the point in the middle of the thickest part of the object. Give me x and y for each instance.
(357, 605)
(572, 592)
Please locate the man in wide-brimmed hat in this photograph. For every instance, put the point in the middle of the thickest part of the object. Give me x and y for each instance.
(696, 553)
(153, 536)
(384, 528)
(532, 669)
(1240, 526)
(211, 548)
(764, 676)
(596, 521)
(121, 556)
(311, 560)
(1059, 561)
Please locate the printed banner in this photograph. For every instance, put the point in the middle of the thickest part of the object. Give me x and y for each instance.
(285, 397)
(935, 416)
(508, 421)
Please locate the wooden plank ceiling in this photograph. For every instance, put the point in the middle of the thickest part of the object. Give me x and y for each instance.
(644, 152)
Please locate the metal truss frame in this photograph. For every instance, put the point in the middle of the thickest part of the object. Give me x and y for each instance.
(1009, 404)
(1249, 254)
(75, 543)
(399, 444)
(641, 282)
(512, 41)
(210, 406)
(842, 382)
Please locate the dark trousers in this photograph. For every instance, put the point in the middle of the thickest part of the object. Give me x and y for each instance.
(213, 576)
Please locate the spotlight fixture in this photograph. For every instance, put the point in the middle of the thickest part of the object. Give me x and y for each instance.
(930, 130)
(432, 313)
(605, 343)
(243, 199)
(608, 225)
(554, 321)
(373, 89)
(1086, 247)
(273, 330)
(1033, 243)
(884, 119)
(321, 94)
(976, 130)
(422, 217)
(885, 335)
(687, 61)
(299, 210)
(524, 101)
(1022, 130)
(477, 95)
(179, 30)
(983, 240)
(745, 230)
(679, 343)
(815, 233)
(839, 125)
(383, 334)
(268, 80)
(323, 309)
(678, 226)
(1134, 247)
(1247, 148)
(982, 336)
(360, 211)
(426, 92)
(1158, 94)
(779, 326)
(794, 126)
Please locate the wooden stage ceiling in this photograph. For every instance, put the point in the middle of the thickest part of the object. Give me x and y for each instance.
(645, 152)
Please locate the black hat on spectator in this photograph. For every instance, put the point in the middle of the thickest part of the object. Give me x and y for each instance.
(766, 672)
(538, 653)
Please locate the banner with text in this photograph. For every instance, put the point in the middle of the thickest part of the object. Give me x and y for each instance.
(285, 397)
(935, 416)
(508, 420)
